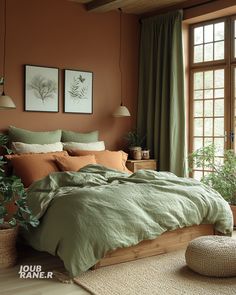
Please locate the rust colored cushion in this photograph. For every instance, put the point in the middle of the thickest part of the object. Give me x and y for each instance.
(32, 167)
(74, 163)
(110, 159)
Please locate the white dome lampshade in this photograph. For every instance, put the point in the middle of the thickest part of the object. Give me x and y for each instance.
(121, 111)
(6, 102)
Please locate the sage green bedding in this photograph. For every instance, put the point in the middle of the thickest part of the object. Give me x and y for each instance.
(87, 213)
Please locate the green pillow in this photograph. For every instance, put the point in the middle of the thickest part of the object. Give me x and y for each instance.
(70, 136)
(34, 137)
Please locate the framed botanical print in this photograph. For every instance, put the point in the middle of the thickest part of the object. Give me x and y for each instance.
(78, 92)
(41, 89)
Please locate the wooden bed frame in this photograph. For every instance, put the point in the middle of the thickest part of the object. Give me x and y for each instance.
(167, 242)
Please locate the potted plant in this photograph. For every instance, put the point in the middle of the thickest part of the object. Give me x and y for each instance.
(222, 176)
(134, 142)
(13, 210)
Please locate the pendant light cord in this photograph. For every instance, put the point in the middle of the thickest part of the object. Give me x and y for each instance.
(120, 52)
(4, 42)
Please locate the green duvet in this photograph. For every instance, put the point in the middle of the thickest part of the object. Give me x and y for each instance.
(85, 214)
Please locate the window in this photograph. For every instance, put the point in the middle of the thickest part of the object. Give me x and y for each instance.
(213, 86)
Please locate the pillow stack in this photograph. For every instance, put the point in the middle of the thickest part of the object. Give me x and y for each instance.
(38, 154)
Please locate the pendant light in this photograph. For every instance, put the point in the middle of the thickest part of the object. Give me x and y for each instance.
(122, 110)
(6, 101)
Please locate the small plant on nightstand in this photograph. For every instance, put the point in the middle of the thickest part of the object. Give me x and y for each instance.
(13, 197)
(134, 142)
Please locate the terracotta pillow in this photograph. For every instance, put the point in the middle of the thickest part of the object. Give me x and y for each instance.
(74, 163)
(110, 159)
(32, 167)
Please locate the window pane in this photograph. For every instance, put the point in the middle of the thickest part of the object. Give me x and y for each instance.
(208, 108)
(219, 79)
(198, 127)
(198, 35)
(219, 93)
(198, 80)
(208, 52)
(208, 33)
(235, 28)
(219, 107)
(198, 94)
(208, 127)
(198, 53)
(219, 144)
(208, 94)
(208, 80)
(198, 108)
(197, 175)
(219, 127)
(219, 50)
(197, 143)
(208, 141)
(219, 31)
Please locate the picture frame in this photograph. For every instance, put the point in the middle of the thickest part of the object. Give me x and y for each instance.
(41, 89)
(78, 91)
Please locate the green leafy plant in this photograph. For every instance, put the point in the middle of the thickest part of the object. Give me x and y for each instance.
(12, 192)
(134, 139)
(222, 175)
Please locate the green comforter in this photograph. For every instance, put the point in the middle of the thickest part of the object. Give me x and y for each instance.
(85, 214)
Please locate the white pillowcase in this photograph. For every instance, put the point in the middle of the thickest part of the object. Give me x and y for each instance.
(90, 146)
(25, 148)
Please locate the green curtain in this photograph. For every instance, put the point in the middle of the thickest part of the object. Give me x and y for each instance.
(161, 105)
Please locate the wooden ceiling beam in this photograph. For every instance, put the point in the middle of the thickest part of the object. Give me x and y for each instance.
(103, 5)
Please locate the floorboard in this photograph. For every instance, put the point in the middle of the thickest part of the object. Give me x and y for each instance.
(11, 284)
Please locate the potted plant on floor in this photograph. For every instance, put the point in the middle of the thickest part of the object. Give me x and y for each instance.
(222, 176)
(13, 211)
(134, 142)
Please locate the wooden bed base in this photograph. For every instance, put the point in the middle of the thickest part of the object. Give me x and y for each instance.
(167, 242)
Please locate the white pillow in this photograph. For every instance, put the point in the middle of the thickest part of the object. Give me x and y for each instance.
(90, 146)
(25, 148)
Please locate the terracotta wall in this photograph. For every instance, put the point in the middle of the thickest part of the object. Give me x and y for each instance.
(61, 33)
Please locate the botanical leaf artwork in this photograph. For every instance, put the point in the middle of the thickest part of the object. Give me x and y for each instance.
(78, 88)
(43, 88)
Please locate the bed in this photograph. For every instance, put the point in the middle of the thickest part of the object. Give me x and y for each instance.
(100, 216)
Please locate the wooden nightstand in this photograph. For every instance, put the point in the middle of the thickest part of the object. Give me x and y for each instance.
(135, 165)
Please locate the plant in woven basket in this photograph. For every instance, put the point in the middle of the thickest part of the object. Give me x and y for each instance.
(12, 192)
(222, 177)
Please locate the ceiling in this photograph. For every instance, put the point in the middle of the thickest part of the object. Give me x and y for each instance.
(138, 7)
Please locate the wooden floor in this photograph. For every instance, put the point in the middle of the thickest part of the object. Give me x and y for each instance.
(11, 284)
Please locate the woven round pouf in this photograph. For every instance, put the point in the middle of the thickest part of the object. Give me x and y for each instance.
(212, 256)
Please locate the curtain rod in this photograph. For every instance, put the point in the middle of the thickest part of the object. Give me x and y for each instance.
(174, 7)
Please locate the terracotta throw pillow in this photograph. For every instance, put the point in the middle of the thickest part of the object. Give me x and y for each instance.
(32, 167)
(110, 159)
(74, 163)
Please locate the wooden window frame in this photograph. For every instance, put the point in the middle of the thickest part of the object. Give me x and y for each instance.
(191, 45)
(228, 64)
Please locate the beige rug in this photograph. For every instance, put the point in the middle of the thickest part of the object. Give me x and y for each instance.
(161, 275)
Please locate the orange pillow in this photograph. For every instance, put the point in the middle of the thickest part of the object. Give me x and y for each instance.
(32, 167)
(74, 163)
(110, 159)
